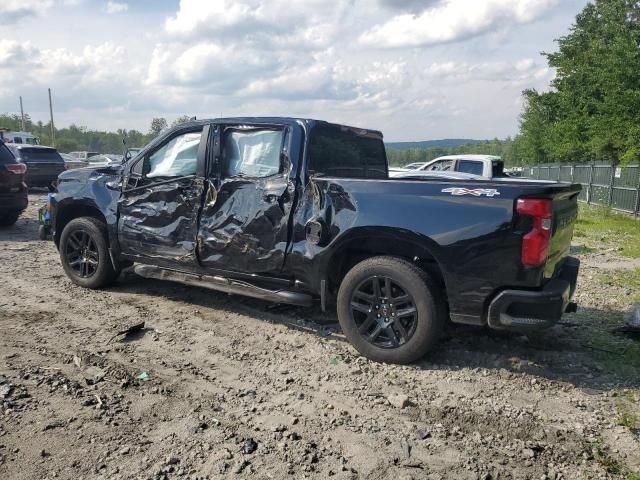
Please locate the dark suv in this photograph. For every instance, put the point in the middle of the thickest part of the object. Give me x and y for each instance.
(44, 164)
(13, 191)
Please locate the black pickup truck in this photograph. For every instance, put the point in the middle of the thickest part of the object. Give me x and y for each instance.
(296, 211)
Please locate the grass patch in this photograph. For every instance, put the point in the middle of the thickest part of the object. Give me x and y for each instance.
(611, 465)
(628, 406)
(601, 228)
(628, 279)
(619, 354)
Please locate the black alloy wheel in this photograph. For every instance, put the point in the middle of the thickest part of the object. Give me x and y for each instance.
(384, 312)
(82, 254)
(390, 309)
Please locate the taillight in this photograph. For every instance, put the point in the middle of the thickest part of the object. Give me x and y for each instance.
(535, 244)
(19, 168)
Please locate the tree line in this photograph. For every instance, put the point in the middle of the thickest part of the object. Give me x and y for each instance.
(79, 138)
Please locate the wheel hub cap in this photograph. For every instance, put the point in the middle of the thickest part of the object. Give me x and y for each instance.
(384, 312)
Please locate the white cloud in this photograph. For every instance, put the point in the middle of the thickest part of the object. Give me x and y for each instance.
(308, 58)
(453, 20)
(116, 7)
(12, 11)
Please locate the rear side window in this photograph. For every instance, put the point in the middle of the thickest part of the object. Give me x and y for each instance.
(5, 155)
(252, 153)
(17, 140)
(339, 152)
(40, 155)
(469, 166)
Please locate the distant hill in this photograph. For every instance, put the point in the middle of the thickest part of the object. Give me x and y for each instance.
(445, 143)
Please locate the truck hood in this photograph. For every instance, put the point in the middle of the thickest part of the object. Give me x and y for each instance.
(87, 174)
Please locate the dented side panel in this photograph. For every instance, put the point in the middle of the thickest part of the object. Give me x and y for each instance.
(246, 229)
(468, 237)
(161, 221)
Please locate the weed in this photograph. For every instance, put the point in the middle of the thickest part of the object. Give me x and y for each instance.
(602, 228)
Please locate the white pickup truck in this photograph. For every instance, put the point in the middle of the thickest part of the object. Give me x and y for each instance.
(485, 166)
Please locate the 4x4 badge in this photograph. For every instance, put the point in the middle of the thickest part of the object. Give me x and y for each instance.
(476, 192)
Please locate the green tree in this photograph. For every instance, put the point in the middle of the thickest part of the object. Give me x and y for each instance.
(592, 111)
(181, 119)
(157, 125)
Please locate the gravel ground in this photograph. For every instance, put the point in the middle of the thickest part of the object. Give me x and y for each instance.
(222, 386)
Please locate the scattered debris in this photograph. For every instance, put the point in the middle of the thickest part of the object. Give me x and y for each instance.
(333, 360)
(399, 401)
(93, 375)
(632, 325)
(144, 376)
(423, 434)
(129, 331)
(249, 446)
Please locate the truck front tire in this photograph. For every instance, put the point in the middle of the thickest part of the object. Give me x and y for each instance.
(390, 310)
(84, 253)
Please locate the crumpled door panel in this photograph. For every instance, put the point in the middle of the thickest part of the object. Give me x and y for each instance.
(161, 221)
(246, 229)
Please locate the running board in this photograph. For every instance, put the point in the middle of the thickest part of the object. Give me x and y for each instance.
(226, 285)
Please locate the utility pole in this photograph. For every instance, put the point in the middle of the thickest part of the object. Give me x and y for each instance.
(22, 115)
(53, 133)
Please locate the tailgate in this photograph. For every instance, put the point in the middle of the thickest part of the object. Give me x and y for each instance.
(565, 214)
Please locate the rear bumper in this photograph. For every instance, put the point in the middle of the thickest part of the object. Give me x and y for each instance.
(13, 202)
(536, 309)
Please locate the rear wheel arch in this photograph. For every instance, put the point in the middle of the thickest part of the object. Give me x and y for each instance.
(393, 243)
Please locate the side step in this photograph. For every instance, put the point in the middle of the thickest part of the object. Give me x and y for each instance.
(226, 285)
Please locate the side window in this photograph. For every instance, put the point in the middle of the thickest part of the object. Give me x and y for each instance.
(441, 166)
(17, 140)
(470, 166)
(252, 153)
(340, 152)
(176, 158)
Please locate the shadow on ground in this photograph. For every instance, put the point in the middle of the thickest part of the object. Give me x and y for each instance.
(579, 351)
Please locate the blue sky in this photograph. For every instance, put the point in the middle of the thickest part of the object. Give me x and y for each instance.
(415, 69)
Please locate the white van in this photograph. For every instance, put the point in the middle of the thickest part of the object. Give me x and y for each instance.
(7, 136)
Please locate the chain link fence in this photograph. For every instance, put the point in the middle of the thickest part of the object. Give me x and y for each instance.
(602, 184)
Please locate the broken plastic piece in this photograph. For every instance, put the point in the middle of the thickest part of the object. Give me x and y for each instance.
(144, 376)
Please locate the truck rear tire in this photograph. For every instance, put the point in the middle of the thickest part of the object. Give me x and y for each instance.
(84, 253)
(390, 310)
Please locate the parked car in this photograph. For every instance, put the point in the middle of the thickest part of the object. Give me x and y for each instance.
(83, 155)
(488, 166)
(297, 211)
(13, 190)
(44, 164)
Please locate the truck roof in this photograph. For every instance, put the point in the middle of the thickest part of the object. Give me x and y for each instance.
(308, 122)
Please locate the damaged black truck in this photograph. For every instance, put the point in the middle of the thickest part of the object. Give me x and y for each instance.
(301, 211)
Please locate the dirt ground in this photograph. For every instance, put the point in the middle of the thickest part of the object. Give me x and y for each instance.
(237, 388)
